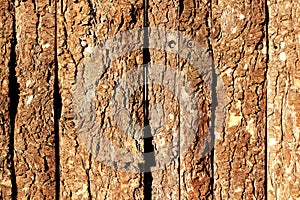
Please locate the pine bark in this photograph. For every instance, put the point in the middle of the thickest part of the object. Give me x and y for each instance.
(6, 42)
(83, 26)
(191, 176)
(50, 49)
(34, 137)
(239, 44)
(283, 80)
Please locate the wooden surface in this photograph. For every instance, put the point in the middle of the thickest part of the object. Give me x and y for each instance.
(46, 50)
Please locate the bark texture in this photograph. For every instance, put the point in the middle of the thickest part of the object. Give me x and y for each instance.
(34, 143)
(83, 26)
(239, 44)
(283, 100)
(59, 98)
(6, 40)
(190, 178)
(165, 183)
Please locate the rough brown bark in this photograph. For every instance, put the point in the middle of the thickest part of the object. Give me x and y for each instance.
(82, 26)
(34, 143)
(193, 179)
(283, 100)
(258, 63)
(6, 38)
(165, 183)
(239, 44)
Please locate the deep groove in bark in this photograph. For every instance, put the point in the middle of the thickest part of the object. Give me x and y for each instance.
(57, 111)
(266, 108)
(14, 101)
(214, 98)
(181, 7)
(148, 138)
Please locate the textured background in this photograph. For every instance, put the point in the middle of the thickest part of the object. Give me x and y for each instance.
(254, 45)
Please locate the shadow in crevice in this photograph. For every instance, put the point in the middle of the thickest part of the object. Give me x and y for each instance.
(149, 159)
(57, 111)
(14, 92)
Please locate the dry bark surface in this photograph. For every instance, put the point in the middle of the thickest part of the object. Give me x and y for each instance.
(6, 39)
(283, 101)
(34, 136)
(239, 46)
(63, 90)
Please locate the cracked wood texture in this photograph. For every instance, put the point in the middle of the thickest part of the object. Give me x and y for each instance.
(34, 144)
(165, 184)
(283, 100)
(239, 46)
(6, 38)
(190, 178)
(81, 26)
(254, 48)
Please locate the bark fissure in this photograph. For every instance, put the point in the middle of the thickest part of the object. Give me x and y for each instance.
(266, 108)
(57, 110)
(14, 101)
(148, 138)
(213, 95)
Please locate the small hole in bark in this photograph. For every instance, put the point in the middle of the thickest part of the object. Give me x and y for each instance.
(275, 47)
(172, 44)
(190, 44)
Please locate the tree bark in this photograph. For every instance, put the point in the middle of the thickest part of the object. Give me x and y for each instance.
(81, 27)
(239, 47)
(6, 62)
(34, 138)
(283, 80)
(190, 178)
(72, 111)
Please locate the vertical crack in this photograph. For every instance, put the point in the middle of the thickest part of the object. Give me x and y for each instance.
(149, 159)
(266, 93)
(14, 92)
(214, 97)
(181, 7)
(88, 178)
(57, 109)
(178, 13)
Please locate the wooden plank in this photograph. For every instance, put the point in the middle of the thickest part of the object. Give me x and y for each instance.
(283, 100)
(239, 48)
(190, 178)
(34, 127)
(82, 26)
(6, 39)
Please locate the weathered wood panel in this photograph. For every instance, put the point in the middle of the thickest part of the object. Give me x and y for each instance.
(239, 47)
(283, 100)
(82, 27)
(34, 143)
(6, 65)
